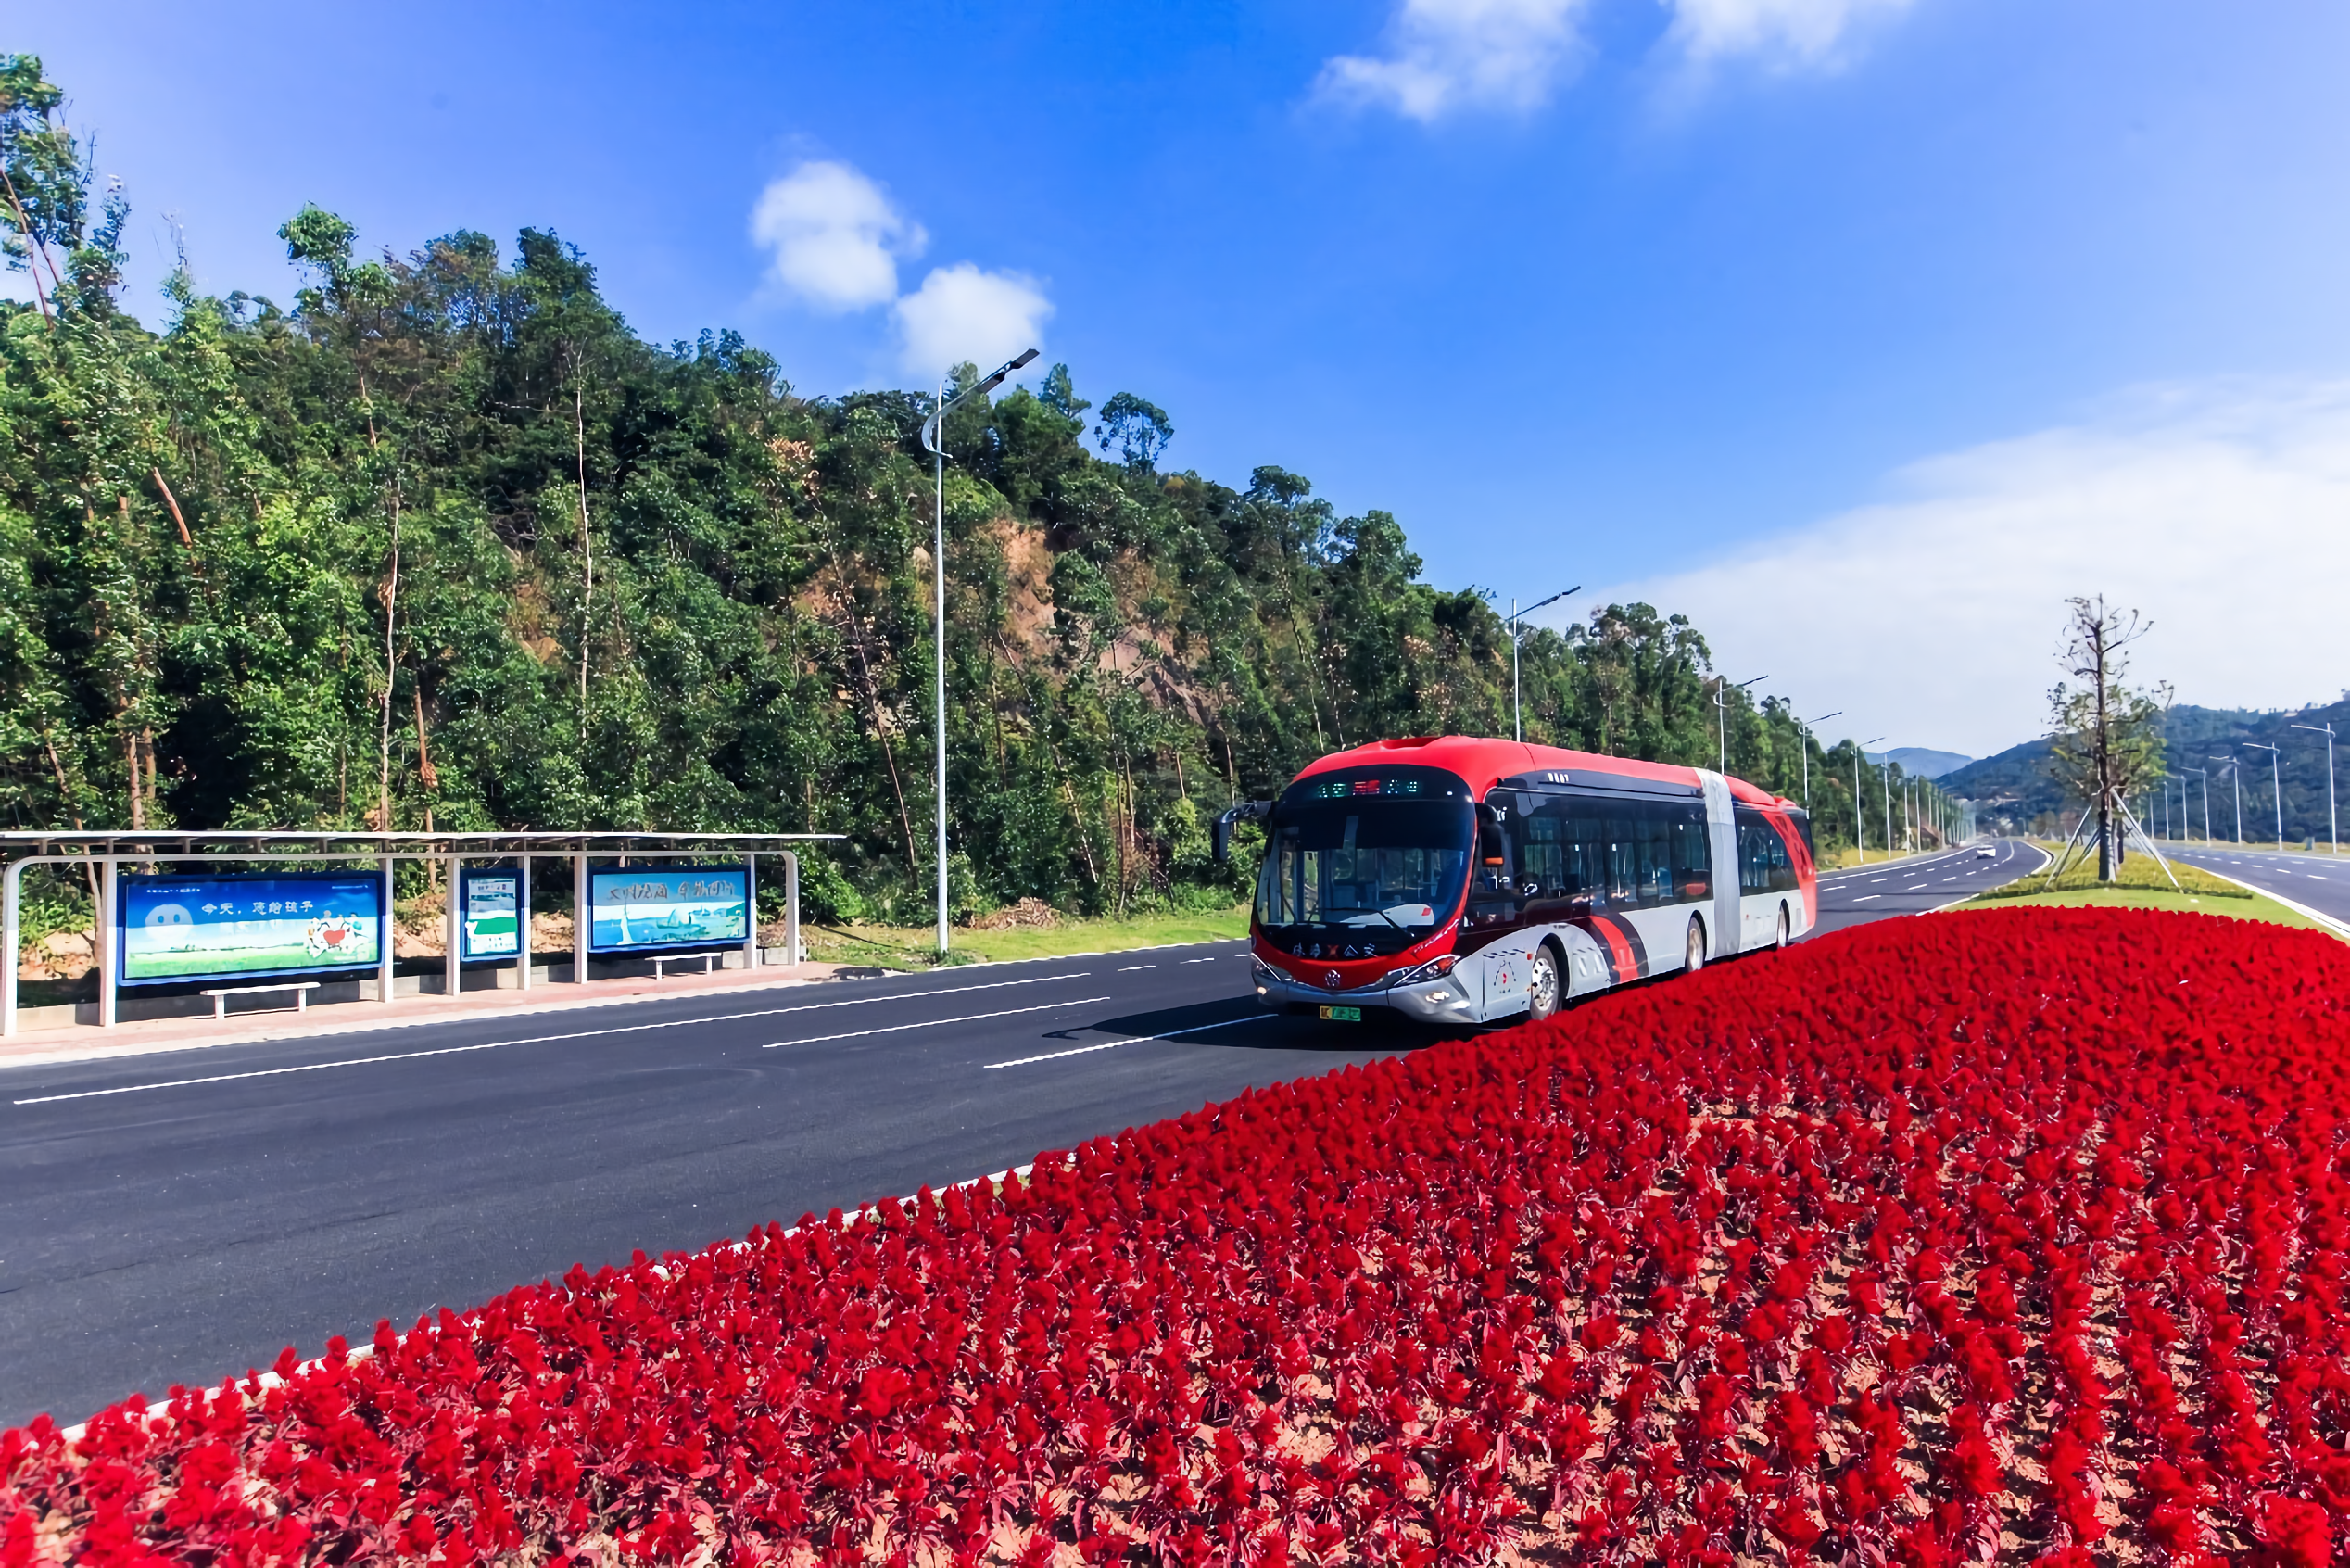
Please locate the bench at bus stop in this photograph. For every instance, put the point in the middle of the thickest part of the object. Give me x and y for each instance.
(301, 990)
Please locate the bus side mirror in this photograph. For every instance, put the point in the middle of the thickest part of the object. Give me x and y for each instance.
(1221, 834)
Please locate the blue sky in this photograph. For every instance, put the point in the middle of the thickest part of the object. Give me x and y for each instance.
(1863, 330)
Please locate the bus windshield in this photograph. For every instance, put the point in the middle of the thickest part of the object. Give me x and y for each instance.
(1385, 870)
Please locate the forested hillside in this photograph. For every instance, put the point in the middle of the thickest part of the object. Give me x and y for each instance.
(2224, 742)
(442, 542)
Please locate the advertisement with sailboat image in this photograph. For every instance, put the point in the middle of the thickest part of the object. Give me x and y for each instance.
(645, 909)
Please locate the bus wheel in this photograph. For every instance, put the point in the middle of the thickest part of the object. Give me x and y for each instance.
(1542, 983)
(1783, 928)
(1693, 951)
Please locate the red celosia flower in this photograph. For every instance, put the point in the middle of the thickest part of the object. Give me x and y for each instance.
(1382, 1314)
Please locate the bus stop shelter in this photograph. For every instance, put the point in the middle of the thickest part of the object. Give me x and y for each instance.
(106, 857)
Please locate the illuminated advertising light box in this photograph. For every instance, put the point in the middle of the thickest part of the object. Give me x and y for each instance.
(646, 909)
(244, 927)
(489, 915)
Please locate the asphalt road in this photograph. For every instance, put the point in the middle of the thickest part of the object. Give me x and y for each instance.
(177, 1218)
(2317, 880)
(1922, 885)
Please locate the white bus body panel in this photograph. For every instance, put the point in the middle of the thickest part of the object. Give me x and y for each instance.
(1722, 830)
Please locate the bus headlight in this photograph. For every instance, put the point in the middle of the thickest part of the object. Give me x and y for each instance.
(1262, 973)
(1435, 969)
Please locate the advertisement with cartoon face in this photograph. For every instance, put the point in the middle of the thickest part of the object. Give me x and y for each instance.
(228, 928)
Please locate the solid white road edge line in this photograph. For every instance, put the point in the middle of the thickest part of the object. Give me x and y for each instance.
(551, 1039)
(2336, 927)
(1134, 1040)
(933, 1023)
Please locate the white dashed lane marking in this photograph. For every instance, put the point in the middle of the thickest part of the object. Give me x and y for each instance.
(1137, 1040)
(551, 1039)
(934, 1023)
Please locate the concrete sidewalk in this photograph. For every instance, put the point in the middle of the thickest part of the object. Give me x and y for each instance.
(86, 1043)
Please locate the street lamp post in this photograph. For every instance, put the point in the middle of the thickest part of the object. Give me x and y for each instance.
(934, 442)
(1722, 716)
(2204, 774)
(1804, 729)
(1517, 634)
(2333, 823)
(2236, 782)
(2277, 781)
(1860, 825)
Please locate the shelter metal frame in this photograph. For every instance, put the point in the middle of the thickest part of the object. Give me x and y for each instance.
(107, 851)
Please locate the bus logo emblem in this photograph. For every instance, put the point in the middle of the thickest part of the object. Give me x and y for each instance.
(1334, 980)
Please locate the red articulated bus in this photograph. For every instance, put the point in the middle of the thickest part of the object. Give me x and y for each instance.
(1455, 880)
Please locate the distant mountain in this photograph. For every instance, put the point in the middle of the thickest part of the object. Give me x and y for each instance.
(1924, 762)
(2015, 783)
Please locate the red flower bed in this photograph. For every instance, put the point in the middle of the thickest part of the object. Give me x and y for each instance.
(2017, 1235)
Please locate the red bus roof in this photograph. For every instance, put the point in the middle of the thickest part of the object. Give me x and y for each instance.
(1483, 763)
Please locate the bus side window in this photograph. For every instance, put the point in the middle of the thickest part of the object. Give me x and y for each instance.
(1622, 855)
(1754, 856)
(1588, 853)
(1693, 858)
(1542, 853)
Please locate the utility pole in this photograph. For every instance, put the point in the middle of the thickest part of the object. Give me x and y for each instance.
(1722, 716)
(2276, 779)
(934, 438)
(2204, 774)
(2333, 823)
(2236, 783)
(1517, 635)
(1804, 736)
(1860, 822)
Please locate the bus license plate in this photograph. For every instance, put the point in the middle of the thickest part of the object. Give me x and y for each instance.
(1343, 1015)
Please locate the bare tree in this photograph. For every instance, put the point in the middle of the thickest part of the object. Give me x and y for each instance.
(2105, 737)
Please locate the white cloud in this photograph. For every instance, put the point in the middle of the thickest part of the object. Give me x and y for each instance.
(961, 313)
(835, 235)
(1933, 618)
(1448, 54)
(1805, 32)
